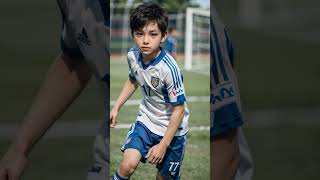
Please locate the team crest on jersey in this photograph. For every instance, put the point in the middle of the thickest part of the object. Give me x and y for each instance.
(155, 81)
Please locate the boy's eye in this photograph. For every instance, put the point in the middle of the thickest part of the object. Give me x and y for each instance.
(154, 34)
(138, 33)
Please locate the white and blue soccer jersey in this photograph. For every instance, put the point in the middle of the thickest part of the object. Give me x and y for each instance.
(225, 101)
(161, 87)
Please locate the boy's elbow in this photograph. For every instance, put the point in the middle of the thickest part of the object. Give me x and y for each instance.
(179, 109)
(181, 114)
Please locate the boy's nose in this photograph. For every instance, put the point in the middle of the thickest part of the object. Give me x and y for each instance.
(145, 40)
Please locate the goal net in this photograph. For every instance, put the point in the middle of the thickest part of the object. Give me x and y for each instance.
(197, 45)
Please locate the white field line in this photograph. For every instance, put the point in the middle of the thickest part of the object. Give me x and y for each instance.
(199, 72)
(85, 128)
(254, 119)
(202, 69)
(135, 102)
(192, 128)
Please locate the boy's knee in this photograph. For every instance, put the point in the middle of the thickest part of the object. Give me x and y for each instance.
(127, 168)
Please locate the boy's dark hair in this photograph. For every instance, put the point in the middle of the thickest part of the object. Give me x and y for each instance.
(147, 12)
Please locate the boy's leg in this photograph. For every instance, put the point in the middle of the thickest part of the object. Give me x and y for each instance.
(129, 163)
(135, 148)
(171, 164)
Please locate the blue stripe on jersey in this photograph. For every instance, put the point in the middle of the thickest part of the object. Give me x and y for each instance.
(165, 94)
(167, 59)
(180, 100)
(174, 82)
(229, 47)
(181, 77)
(220, 60)
(176, 71)
(214, 68)
(171, 66)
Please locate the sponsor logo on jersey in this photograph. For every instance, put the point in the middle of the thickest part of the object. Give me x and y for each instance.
(83, 37)
(177, 92)
(174, 93)
(155, 81)
(222, 93)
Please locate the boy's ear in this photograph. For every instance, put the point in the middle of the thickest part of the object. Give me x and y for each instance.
(164, 37)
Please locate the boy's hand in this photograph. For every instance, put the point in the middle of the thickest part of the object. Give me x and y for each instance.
(12, 165)
(156, 153)
(113, 117)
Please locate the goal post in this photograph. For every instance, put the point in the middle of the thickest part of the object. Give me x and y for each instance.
(195, 31)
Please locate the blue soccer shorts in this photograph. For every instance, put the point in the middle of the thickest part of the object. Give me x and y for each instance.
(224, 119)
(142, 139)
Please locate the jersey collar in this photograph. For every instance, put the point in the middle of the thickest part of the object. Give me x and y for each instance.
(154, 61)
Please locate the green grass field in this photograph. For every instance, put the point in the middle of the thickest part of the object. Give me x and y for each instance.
(197, 151)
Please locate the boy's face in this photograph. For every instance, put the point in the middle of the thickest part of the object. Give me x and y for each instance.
(148, 39)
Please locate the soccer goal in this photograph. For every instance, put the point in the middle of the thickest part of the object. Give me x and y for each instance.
(197, 45)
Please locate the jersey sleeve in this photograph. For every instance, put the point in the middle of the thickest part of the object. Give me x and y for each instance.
(224, 98)
(174, 85)
(130, 72)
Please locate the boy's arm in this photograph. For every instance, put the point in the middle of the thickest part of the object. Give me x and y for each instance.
(157, 152)
(65, 79)
(129, 87)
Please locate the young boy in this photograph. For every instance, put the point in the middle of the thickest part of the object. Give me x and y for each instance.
(159, 133)
(84, 44)
(229, 152)
(170, 45)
